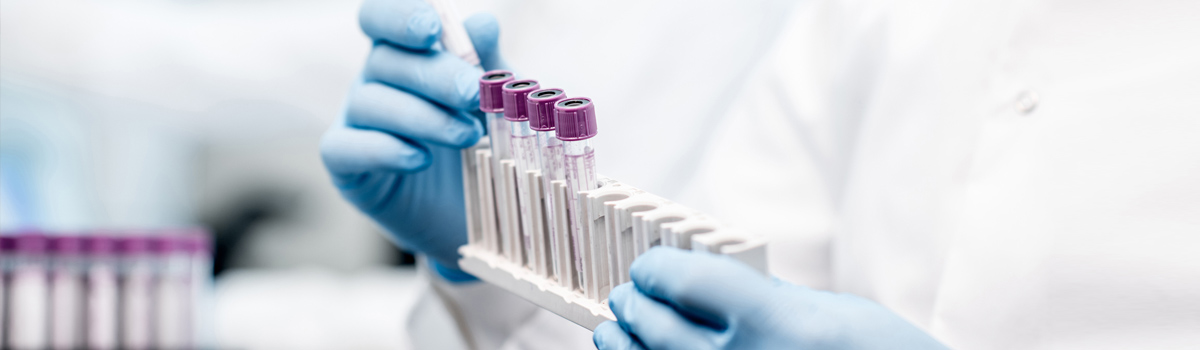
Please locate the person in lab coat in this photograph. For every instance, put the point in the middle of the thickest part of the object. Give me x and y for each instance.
(983, 175)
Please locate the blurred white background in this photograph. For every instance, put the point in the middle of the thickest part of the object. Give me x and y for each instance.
(134, 114)
(138, 114)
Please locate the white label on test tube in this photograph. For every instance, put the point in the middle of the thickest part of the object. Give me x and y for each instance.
(29, 305)
(66, 306)
(579, 166)
(135, 298)
(101, 332)
(524, 148)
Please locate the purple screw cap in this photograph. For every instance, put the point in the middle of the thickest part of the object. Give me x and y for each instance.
(165, 243)
(133, 244)
(8, 243)
(34, 243)
(100, 244)
(66, 245)
(490, 84)
(514, 99)
(540, 105)
(575, 119)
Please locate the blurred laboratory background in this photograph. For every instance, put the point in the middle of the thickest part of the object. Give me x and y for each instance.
(149, 115)
(145, 116)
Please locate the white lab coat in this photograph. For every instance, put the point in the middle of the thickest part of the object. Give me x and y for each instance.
(1003, 174)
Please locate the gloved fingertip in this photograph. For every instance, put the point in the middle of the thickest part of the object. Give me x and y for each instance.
(484, 31)
(414, 162)
(424, 27)
(467, 84)
(619, 295)
(608, 335)
(466, 136)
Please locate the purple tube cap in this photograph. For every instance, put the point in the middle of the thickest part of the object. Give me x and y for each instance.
(66, 245)
(30, 243)
(100, 244)
(575, 119)
(514, 99)
(540, 105)
(490, 86)
(133, 244)
(8, 243)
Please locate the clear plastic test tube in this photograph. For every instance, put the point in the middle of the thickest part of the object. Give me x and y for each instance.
(491, 102)
(28, 295)
(102, 292)
(524, 152)
(198, 246)
(66, 292)
(454, 35)
(8, 252)
(575, 125)
(171, 293)
(540, 105)
(137, 275)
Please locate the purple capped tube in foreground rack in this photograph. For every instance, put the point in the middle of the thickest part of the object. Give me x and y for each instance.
(540, 105)
(575, 124)
(524, 154)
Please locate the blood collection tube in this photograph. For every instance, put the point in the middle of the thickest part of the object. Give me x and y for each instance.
(28, 295)
(575, 125)
(540, 105)
(102, 292)
(524, 153)
(171, 292)
(66, 292)
(8, 258)
(137, 275)
(454, 35)
(197, 245)
(491, 102)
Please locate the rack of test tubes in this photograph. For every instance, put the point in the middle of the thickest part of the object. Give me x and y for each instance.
(109, 290)
(543, 225)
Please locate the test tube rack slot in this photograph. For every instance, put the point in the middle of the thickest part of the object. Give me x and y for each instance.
(621, 222)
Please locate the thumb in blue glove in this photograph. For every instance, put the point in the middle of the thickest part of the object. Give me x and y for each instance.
(394, 154)
(695, 300)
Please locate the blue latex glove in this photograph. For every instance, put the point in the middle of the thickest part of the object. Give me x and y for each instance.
(395, 152)
(694, 300)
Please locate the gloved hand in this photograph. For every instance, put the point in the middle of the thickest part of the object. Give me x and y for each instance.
(693, 300)
(395, 152)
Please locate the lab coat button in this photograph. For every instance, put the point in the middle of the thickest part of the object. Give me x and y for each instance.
(1026, 102)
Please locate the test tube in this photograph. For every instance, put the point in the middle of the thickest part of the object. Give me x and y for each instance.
(171, 293)
(101, 306)
(524, 152)
(575, 125)
(540, 105)
(491, 102)
(137, 274)
(66, 288)
(28, 295)
(454, 36)
(8, 252)
(198, 247)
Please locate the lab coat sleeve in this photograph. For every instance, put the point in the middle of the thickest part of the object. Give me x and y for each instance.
(777, 161)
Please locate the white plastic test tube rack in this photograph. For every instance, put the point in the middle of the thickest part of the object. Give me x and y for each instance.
(626, 222)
